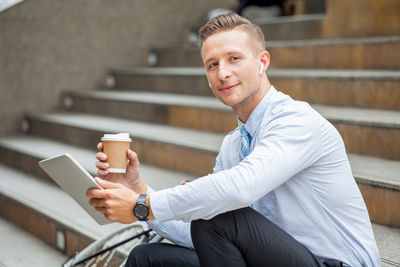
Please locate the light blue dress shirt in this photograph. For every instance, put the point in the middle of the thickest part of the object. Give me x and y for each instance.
(297, 175)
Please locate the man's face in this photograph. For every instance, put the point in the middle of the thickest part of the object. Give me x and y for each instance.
(232, 68)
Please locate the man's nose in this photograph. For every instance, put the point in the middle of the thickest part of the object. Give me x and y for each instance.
(224, 72)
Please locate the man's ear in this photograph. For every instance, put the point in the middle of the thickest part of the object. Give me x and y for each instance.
(264, 59)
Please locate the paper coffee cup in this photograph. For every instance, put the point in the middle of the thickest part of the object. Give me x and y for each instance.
(115, 147)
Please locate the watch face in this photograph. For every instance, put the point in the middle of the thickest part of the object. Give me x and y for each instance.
(141, 211)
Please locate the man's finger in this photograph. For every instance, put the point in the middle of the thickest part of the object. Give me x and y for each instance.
(102, 173)
(101, 156)
(97, 202)
(96, 193)
(133, 159)
(100, 146)
(107, 184)
(102, 165)
(101, 209)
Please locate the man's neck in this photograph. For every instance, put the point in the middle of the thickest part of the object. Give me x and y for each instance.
(244, 112)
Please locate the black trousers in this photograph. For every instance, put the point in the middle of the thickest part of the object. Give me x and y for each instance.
(241, 237)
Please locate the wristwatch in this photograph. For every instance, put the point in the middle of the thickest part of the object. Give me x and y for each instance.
(141, 210)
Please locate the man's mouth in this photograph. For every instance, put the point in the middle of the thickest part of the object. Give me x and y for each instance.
(228, 88)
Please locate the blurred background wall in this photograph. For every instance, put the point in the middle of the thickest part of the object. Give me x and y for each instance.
(47, 46)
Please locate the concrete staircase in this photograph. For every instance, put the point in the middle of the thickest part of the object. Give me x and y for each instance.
(19, 248)
(177, 126)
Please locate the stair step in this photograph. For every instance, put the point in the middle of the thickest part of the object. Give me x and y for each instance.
(347, 53)
(195, 112)
(359, 88)
(176, 137)
(194, 152)
(308, 26)
(47, 214)
(358, 18)
(365, 131)
(14, 244)
(379, 183)
(164, 146)
(387, 239)
(52, 210)
(341, 20)
(18, 149)
(18, 191)
(378, 179)
(291, 73)
(80, 101)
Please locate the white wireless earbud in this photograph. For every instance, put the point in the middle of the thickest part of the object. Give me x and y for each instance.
(209, 84)
(261, 68)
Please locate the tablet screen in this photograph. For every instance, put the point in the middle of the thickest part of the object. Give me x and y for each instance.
(74, 180)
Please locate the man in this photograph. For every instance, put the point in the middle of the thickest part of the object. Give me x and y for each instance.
(282, 192)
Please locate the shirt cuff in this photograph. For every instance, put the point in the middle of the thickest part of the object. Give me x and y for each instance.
(149, 190)
(160, 206)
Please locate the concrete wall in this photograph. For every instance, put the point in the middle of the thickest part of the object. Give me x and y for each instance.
(47, 46)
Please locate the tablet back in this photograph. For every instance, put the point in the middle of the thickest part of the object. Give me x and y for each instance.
(74, 180)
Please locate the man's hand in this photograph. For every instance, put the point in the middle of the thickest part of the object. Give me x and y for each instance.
(116, 201)
(130, 179)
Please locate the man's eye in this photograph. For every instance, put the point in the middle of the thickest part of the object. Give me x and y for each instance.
(235, 59)
(212, 65)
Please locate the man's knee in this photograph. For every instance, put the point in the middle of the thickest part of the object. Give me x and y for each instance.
(161, 254)
(227, 224)
(221, 223)
(142, 255)
(223, 218)
(139, 256)
(198, 228)
(199, 225)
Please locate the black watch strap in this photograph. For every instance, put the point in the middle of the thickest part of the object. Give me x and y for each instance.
(142, 199)
(141, 210)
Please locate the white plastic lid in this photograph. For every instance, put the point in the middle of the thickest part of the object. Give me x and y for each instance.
(116, 137)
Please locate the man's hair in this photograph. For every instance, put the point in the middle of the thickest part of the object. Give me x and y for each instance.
(232, 21)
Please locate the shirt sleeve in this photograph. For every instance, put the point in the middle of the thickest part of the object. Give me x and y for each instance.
(287, 145)
(177, 232)
(218, 164)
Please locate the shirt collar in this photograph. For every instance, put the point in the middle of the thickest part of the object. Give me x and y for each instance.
(257, 115)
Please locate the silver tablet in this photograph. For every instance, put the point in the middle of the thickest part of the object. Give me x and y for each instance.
(74, 180)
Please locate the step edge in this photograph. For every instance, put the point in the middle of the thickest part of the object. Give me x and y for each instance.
(375, 177)
(43, 210)
(359, 175)
(334, 42)
(318, 17)
(99, 95)
(328, 111)
(363, 179)
(24, 239)
(53, 118)
(335, 74)
(340, 114)
(4, 142)
(181, 143)
(296, 43)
